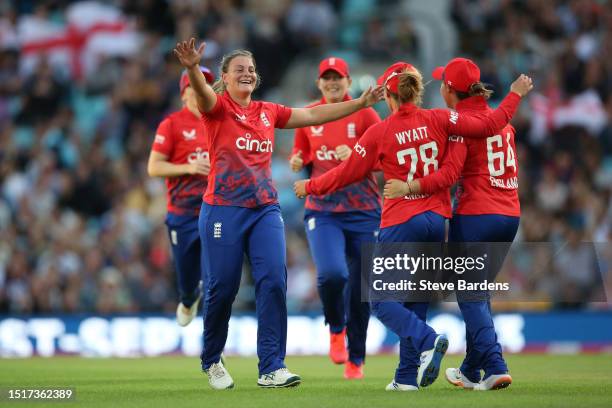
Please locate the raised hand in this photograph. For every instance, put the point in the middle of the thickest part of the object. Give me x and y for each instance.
(343, 152)
(522, 86)
(371, 96)
(296, 162)
(187, 53)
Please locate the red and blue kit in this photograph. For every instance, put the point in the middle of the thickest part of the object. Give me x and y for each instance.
(241, 142)
(410, 144)
(241, 215)
(182, 137)
(318, 146)
(487, 166)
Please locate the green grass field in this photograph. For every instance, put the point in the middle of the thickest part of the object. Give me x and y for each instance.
(539, 381)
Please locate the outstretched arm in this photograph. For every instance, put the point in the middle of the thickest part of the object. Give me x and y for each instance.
(190, 57)
(317, 115)
(355, 168)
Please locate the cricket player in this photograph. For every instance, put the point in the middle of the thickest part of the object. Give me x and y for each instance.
(338, 223)
(180, 154)
(240, 213)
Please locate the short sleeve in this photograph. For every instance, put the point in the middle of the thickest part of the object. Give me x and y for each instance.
(369, 117)
(282, 113)
(217, 111)
(164, 142)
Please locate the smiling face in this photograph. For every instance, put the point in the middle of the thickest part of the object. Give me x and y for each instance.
(333, 86)
(241, 77)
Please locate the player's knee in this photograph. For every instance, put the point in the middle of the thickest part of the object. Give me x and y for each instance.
(333, 277)
(274, 283)
(220, 291)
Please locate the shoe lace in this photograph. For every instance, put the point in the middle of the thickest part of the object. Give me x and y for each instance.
(216, 370)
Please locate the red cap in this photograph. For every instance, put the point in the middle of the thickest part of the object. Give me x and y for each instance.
(390, 78)
(459, 74)
(335, 64)
(184, 82)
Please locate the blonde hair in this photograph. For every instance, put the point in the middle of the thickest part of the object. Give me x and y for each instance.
(476, 89)
(410, 87)
(219, 86)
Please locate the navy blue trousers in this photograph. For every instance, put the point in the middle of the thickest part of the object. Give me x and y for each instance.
(335, 241)
(483, 350)
(227, 233)
(407, 320)
(186, 252)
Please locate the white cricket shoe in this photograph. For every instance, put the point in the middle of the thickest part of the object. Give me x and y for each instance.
(431, 361)
(394, 386)
(494, 382)
(184, 315)
(280, 378)
(218, 377)
(456, 377)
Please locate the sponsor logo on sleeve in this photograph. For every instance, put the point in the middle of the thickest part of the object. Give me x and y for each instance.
(360, 150)
(159, 139)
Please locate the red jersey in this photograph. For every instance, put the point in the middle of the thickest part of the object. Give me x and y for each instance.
(241, 141)
(182, 138)
(318, 146)
(409, 144)
(489, 180)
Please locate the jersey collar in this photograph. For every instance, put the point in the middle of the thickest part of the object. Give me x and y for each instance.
(476, 103)
(407, 107)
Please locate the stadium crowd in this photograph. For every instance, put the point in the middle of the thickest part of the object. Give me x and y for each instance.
(81, 223)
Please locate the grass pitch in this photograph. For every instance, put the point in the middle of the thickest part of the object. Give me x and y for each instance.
(539, 381)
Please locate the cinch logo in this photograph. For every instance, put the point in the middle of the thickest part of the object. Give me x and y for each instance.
(324, 154)
(197, 155)
(360, 150)
(254, 145)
